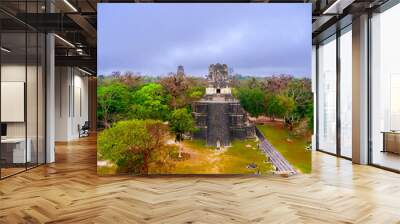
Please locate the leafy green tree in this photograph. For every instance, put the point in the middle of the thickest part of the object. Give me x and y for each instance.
(181, 122)
(195, 95)
(273, 108)
(130, 144)
(252, 100)
(300, 91)
(112, 102)
(279, 106)
(310, 115)
(150, 102)
(288, 104)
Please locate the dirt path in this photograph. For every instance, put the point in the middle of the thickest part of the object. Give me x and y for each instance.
(208, 159)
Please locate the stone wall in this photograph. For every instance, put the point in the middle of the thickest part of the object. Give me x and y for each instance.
(223, 121)
(218, 124)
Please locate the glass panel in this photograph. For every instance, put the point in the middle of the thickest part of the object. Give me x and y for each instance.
(327, 96)
(23, 90)
(41, 98)
(32, 88)
(385, 84)
(346, 94)
(13, 86)
(31, 98)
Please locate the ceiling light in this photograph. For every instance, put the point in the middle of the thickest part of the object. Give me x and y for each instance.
(65, 41)
(70, 5)
(86, 72)
(338, 6)
(5, 50)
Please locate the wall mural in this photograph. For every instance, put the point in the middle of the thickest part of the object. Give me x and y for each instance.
(204, 89)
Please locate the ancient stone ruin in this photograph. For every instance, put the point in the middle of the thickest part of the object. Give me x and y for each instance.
(219, 116)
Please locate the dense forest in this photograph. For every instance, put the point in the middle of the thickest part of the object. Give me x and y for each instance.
(139, 113)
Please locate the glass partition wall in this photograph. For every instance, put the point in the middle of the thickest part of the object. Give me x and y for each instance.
(327, 95)
(385, 89)
(334, 86)
(22, 77)
(345, 61)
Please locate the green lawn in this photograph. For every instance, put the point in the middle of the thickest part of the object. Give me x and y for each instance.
(105, 170)
(294, 150)
(239, 155)
(234, 160)
(207, 160)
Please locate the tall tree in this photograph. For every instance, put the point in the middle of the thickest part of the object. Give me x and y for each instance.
(150, 101)
(273, 107)
(181, 122)
(252, 101)
(279, 106)
(253, 83)
(176, 85)
(131, 79)
(131, 144)
(276, 84)
(300, 91)
(112, 102)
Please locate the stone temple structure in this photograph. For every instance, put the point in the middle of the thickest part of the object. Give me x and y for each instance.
(219, 116)
(180, 71)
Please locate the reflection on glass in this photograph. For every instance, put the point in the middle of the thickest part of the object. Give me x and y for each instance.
(31, 97)
(385, 83)
(327, 96)
(41, 98)
(22, 91)
(346, 94)
(14, 153)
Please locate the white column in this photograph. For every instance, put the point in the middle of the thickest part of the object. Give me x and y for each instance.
(50, 99)
(360, 90)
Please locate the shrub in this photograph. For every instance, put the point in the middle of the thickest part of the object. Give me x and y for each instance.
(130, 144)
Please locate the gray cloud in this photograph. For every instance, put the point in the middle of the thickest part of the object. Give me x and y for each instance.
(253, 39)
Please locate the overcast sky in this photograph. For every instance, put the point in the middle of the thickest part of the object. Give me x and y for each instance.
(253, 39)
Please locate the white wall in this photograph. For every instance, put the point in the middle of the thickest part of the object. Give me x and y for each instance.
(62, 82)
(71, 102)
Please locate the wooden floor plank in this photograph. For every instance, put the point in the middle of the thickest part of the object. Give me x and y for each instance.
(69, 191)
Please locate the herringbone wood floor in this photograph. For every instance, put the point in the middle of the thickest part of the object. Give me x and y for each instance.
(69, 191)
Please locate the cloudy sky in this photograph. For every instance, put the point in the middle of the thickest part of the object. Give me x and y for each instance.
(253, 39)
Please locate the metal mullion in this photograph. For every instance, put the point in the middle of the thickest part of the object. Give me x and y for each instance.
(45, 97)
(26, 87)
(37, 91)
(369, 89)
(317, 97)
(338, 98)
(45, 89)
